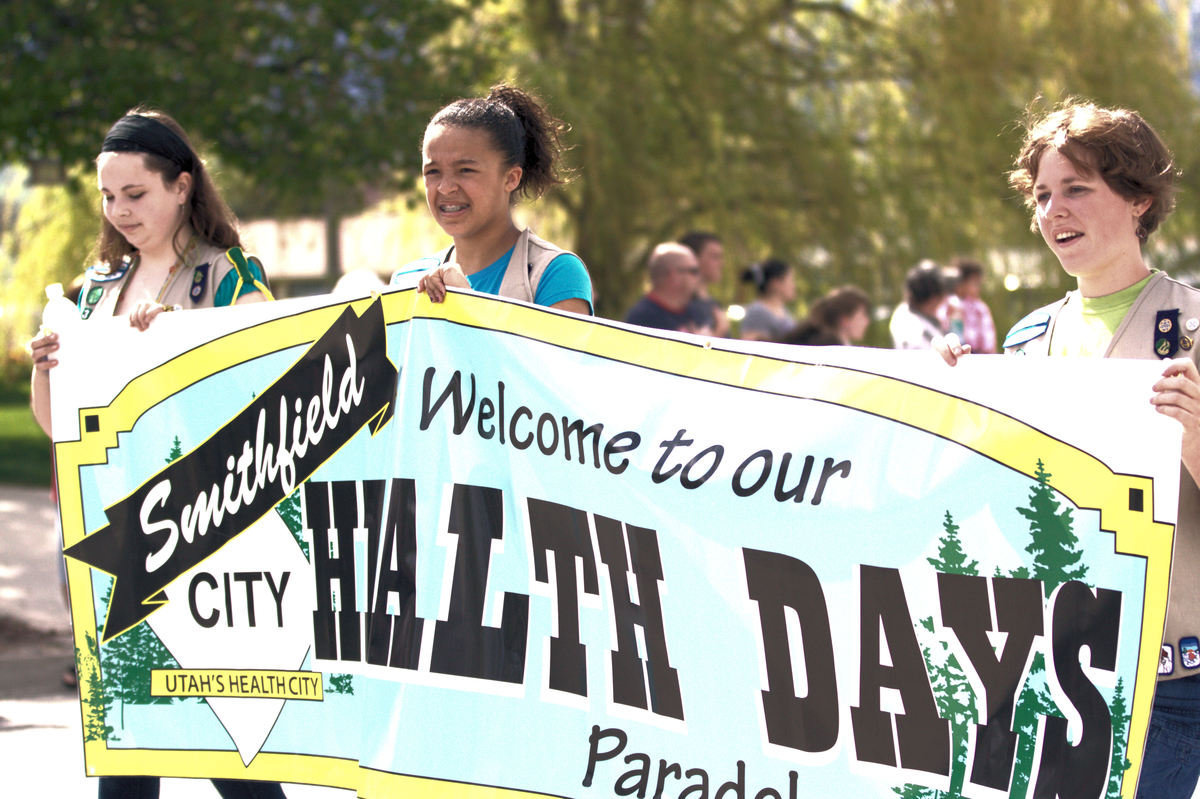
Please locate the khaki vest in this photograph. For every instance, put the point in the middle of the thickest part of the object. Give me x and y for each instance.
(531, 255)
(1135, 338)
(194, 287)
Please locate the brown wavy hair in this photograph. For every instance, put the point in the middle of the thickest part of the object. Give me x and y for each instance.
(1115, 143)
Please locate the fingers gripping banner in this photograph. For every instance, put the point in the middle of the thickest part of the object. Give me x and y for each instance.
(485, 549)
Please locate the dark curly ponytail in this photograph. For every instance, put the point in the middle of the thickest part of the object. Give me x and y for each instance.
(522, 130)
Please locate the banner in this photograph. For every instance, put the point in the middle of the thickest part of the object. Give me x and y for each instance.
(481, 548)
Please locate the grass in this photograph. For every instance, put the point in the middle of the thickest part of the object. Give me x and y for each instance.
(24, 448)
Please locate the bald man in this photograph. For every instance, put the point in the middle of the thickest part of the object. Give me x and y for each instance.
(674, 278)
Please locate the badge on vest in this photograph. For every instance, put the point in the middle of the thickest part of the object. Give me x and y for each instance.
(100, 274)
(1166, 333)
(1026, 330)
(1166, 660)
(1189, 652)
(199, 281)
(90, 300)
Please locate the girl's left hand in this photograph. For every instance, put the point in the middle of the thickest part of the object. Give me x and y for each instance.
(435, 281)
(1177, 394)
(145, 312)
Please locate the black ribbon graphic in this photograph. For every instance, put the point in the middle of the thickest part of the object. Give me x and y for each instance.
(122, 548)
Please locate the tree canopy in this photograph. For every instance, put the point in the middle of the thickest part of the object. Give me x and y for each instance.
(851, 138)
(313, 100)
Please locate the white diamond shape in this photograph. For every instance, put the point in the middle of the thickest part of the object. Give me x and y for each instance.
(265, 547)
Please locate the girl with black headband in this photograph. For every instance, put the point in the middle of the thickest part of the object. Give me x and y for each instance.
(167, 240)
(479, 156)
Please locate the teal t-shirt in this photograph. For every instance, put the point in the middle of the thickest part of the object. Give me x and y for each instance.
(565, 278)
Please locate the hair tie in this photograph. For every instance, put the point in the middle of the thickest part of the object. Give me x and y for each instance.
(136, 133)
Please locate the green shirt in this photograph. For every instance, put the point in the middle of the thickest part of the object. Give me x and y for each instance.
(1085, 325)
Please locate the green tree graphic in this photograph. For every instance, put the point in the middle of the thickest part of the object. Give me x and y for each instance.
(1057, 559)
(951, 688)
(95, 699)
(339, 684)
(289, 511)
(128, 660)
(176, 450)
(1120, 724)
(951, 559)
(1053, 544)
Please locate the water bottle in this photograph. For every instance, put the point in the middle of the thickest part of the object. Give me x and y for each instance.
(59, 316)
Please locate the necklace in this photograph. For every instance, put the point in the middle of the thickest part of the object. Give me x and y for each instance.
(176, 269)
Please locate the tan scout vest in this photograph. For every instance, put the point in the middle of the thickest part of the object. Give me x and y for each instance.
(531, 255)
(1135, 338)
(194, 287)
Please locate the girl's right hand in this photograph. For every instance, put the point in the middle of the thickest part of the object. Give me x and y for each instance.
(42, 350)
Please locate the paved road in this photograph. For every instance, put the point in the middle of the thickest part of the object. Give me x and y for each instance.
(41, 741)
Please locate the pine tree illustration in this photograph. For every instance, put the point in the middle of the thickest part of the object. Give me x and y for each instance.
(127, 661)
(1053, 544)
(176, 450)
(951, 559)
(94, 698)
(951, 689)
(1057, 559)
(1120, 725)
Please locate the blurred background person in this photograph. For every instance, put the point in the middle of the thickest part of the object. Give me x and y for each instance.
(768, 318)
(842, 316)
(914, 324)
(964, 312)
(710, 256)
(670, 304)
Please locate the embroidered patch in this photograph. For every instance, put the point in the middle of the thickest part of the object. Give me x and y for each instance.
(1166, 660)
(1189, 652)
(97, 274)
(1166, 322)
(1029, 328)
(94, 295)
(199, 281)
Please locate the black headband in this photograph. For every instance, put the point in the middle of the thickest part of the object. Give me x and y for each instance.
(135, 133)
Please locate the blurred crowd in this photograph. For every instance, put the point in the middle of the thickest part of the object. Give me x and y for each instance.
(684, 277)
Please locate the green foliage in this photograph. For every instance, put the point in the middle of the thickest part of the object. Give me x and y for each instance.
(45, 237)
(312, 99)
(851, 138)
(24, 448)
